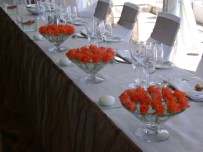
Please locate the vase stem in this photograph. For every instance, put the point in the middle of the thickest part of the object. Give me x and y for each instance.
(152, 129)
(92, 76)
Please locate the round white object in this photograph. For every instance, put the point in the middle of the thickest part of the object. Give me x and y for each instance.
(106, 100)
(64, 61)
(38, 37)
(18, 20)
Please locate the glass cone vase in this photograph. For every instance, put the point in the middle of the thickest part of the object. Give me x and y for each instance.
(91, 69)
(151, 131)
(57, 41)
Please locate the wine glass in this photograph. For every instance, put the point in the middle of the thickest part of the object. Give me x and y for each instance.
(159, 53)
(68, 15)
(150, 61)
(90, 29)
(74, 13)
(100, 31)
(41, 9)
(109, 29)
(138, 54)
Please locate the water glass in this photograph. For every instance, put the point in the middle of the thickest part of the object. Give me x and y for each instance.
(159, 53)
(10, 7)
(28, 23)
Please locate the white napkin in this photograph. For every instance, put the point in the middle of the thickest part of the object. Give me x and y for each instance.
(113, 39)
(188, 87)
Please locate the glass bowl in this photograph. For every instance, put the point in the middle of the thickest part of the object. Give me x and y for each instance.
(153, 106)
(91, 59)
(35, 10)
(91, 69)
(57, 41)
(57, 34)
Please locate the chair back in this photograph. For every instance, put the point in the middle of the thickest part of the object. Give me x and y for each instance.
(166, 28)
(101, 9)
(128, 15)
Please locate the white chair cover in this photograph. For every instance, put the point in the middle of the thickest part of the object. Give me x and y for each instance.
(97, 9)
(165, 31)
(101, 9)
(124, 27)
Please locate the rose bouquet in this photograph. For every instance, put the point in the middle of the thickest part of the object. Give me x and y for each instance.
(91, 59)
(57, 34)
(153, 106)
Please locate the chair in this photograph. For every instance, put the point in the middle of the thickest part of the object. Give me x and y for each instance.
(165, 32)
(102, 9)
(97, 9)
(125, 25)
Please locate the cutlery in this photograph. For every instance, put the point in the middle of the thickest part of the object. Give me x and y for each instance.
(120, 58)
(83, 34)
(190, 78)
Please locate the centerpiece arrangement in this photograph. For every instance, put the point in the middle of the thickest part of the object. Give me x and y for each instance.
(91, 59)
(57, 34)
(153, 106)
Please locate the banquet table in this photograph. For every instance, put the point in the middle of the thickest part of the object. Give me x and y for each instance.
(62, 113)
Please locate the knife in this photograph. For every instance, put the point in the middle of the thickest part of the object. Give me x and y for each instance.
(122, 59)
(83, 34)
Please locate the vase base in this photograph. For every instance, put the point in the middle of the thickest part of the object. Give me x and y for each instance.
(137, 83)
(60, 49)
(92, 80)
(144, 134)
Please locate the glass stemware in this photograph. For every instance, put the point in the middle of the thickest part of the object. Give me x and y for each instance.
(91, 59)
(159, 53)
(90, 29)
(153, 105)
(150, 62)
(68, 15)
(57, 34)
(91, 69)
(74, 13)
(100, 31)
(108, 29)
(41, 9)
(57, 41)
(138, 54)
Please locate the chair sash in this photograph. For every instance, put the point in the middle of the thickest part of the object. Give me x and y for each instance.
(101, 10)
(128, 17)
(166, 37)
